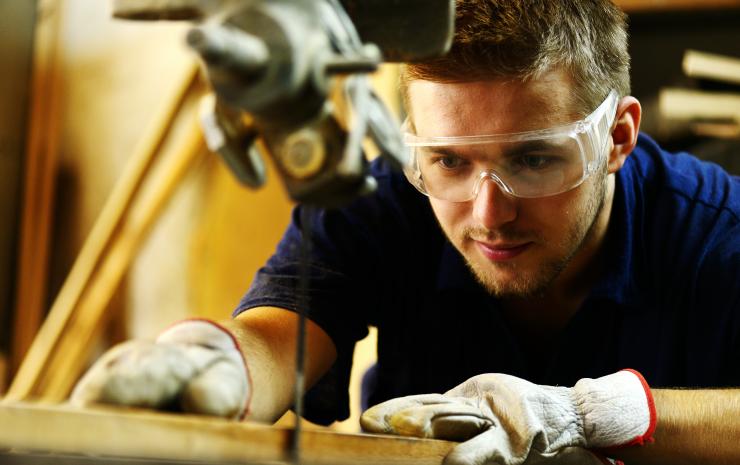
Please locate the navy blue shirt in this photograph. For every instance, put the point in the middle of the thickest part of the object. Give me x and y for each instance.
(668, 304)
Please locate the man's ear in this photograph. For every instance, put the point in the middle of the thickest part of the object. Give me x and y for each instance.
(624, 134)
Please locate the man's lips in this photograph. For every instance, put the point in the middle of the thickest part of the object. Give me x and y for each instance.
(501, 252)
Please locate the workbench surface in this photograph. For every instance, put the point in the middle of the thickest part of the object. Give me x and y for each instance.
(31, 433)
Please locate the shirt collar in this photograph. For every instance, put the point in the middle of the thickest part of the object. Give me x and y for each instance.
(617, 283)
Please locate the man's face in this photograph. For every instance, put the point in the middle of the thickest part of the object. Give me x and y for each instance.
(516, 247)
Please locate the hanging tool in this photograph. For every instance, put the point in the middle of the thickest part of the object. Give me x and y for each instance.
(273, 65)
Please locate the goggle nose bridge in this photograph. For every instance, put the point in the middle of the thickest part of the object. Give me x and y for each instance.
(492, 176)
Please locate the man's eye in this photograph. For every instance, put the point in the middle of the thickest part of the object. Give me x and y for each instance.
(449, 162)
(535, 162)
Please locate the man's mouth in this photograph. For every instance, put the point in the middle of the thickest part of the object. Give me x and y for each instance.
(499, 252)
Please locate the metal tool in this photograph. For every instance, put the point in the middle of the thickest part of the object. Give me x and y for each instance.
(273, 64)
(278, 61)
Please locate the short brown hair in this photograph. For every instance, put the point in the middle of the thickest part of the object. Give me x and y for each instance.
(522, 39)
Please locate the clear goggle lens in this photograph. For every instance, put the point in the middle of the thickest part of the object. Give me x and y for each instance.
(528, 164)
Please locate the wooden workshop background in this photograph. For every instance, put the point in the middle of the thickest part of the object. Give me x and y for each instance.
(78, 95)
(103, 81)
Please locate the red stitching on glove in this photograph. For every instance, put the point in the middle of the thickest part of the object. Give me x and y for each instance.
(246, 366)
(648, 435)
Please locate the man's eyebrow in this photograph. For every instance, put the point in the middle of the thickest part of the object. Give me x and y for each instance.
(510, 150)
(445, 151)
(519, 148)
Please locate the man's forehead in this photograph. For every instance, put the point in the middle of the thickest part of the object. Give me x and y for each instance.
(488, 107)
(559, 146)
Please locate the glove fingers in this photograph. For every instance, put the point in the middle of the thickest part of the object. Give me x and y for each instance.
(426, 416)
(459, 426)
(220, 389)
(376, 418)
(494, 447)
(488, 448)
(135, 373)
(89, 388)
(568, 456)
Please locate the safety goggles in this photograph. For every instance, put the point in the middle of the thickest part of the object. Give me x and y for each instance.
(526, 164)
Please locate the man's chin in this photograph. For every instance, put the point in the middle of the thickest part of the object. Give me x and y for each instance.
(511, 280)
(504, 289)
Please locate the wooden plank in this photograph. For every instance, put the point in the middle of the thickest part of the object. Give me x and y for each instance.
(44, 346)
(105, 226)
(3, 371)
(17, 23)
(705, 65)
(39, 181)
(689, 104)
(645, 6)
(72, 353)
(152, 435)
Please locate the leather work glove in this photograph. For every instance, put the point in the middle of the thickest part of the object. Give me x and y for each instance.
(195, 366)
(509, 421)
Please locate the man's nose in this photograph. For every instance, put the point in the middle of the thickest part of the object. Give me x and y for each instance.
(493, 207)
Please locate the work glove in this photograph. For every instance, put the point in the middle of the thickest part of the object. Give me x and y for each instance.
(509, 421)
(195, 366)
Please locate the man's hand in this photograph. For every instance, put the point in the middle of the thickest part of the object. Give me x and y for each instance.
(507, 420)
(195, 366)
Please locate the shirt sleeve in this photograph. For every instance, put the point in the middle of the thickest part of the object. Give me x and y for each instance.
(346, 263)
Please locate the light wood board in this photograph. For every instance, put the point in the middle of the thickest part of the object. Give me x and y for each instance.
(152, 435)
(704, 65)
(39, 181)
(59, 352)
(644, 6)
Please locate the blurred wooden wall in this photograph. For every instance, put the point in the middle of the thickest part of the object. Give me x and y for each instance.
(205, 247)
(114, 75)
(16, 35)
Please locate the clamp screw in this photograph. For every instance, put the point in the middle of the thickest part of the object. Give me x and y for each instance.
(303, 154)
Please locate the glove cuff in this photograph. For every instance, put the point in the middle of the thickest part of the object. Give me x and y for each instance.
(617, 410)
(209, 334)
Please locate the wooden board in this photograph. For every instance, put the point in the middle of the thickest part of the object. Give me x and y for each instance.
(3, 371)
(39, 181)
(704, 65)
(644, 6)
(690, 104)
(152, 435)
(16, 42)
(59, 352)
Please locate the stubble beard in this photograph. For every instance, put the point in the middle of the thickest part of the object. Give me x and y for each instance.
(534, 283)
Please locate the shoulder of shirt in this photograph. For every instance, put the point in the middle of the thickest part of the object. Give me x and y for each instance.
(681, 222)
(701, 183)
(380, 168)
(395, 203)
(392, 184)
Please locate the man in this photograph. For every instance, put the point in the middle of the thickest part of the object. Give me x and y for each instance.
(557, 247)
